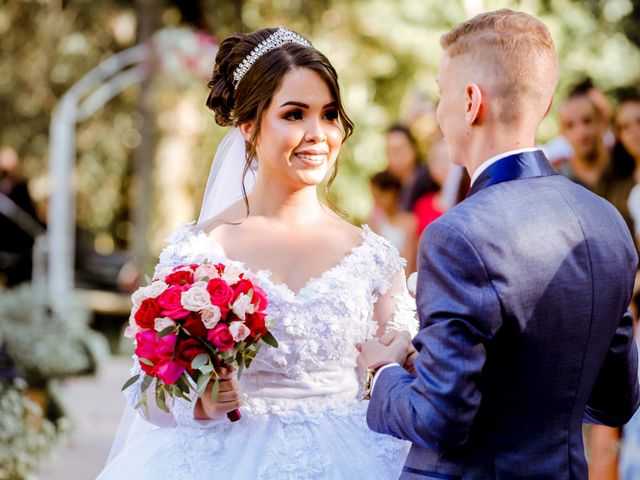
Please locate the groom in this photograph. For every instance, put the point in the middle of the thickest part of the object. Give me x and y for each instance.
(523, 288)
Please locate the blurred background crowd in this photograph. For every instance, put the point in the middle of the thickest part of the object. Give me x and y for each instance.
(116, 90)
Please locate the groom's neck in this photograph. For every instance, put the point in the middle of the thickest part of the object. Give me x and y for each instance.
(488, 143)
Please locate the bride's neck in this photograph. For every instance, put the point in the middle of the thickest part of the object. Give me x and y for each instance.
(298, 206)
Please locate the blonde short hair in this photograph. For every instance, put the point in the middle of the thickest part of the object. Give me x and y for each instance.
(518, 49)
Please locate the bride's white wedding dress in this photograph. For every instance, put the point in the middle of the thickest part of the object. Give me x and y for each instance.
(301, 417)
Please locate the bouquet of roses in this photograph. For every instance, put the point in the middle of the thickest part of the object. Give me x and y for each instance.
(190, 322)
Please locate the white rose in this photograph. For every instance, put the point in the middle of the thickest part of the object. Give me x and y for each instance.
(137, 298)
(132, 328)
(161, 323)
(155, 289)
(231, 274)
(239, 331)
(210, 316)
(162, 274)
(206, 270)
(243, 305)
(195, 299)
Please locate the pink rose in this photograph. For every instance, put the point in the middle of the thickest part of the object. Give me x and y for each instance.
(169, 372)
(147, 313)
(158, 351)
(260, 298)
(220, 293)
(221, 337)
(146, 348)
(170, 301)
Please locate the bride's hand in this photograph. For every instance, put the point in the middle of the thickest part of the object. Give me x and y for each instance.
(412, 353)
(228, 398)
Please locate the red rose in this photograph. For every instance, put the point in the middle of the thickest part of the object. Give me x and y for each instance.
(220, 293)
(256, 324)
(179, 277)
(187, 350)
(243, 286)
(194, 325)
(221, 337)
(171, 303)
(147, 313)
(259, 298)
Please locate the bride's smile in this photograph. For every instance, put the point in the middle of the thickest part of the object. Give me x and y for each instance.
(300, 134)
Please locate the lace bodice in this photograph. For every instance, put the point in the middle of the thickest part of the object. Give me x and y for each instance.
(314, 367)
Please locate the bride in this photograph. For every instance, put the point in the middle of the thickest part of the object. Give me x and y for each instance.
(329, 285)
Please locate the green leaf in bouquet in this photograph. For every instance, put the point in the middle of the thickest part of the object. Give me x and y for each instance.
(147, 278)
(161, 400)
(270, 340)
(202, 383)
(182, 384)
(206, 368)
(146, 361)
(130, 382)
(166, 331)
(200, 361)
(215, 390)
(240, 362)
(146, 383)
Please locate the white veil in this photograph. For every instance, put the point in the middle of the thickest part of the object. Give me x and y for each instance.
(224, 188)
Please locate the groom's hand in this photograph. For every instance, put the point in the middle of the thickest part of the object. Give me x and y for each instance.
(374, 354)
(412, 353)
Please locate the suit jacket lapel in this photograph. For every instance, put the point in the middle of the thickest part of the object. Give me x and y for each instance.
(514, 167)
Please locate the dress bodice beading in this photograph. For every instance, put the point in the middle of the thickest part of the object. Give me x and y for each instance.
(313, 369)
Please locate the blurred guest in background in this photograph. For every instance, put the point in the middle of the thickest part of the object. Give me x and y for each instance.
(559, 149)
(404, 162)
(627, 151)
(389, 221)
(18, 221)
(430, 206)
(582, 125)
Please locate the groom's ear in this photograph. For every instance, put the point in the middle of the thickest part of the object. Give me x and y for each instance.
(247, 129)
(473, 103)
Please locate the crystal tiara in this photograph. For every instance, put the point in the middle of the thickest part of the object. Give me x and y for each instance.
(278, 38)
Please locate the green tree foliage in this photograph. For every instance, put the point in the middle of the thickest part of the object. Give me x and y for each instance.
(386, 53)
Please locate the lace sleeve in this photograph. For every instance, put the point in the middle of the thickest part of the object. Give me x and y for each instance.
(395, 308)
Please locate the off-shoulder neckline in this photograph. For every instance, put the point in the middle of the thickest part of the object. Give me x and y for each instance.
(366, 234)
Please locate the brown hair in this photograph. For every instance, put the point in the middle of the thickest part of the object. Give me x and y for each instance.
(520, 51)
(255, 90)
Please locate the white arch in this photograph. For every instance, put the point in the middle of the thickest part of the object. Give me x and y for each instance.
(106, 80)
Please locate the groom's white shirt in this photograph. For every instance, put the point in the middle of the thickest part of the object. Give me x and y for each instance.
(481, 168)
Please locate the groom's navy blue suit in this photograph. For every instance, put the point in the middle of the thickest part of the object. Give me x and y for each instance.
(522, 294)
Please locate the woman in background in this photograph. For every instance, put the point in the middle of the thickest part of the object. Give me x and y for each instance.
(404, 162)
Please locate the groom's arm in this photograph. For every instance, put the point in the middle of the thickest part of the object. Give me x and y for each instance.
(615, 397)
(459, 312)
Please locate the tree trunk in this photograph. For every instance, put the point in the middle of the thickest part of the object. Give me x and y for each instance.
(142, 185)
